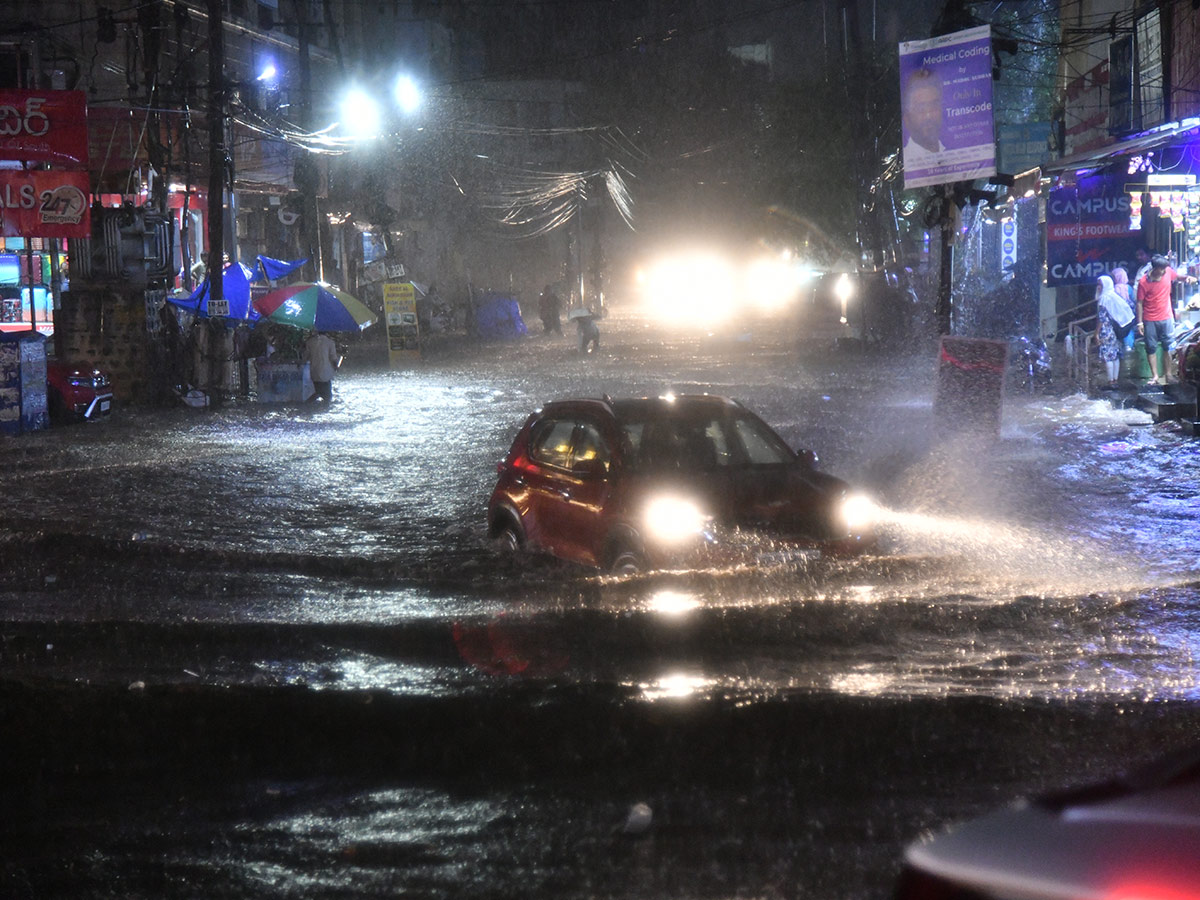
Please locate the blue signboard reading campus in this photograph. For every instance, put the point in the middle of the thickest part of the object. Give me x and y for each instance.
(1087, 231)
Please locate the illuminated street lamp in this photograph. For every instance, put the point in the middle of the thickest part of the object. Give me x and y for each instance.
(843, 290)
(360, 114)
(363, 118)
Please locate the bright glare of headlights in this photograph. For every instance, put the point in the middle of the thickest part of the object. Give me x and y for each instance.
(858, 512)
(673, 519)
(695, 288)
(704, 289)
(772, 283)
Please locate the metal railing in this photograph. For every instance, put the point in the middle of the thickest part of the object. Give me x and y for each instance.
(1081, 335)
(1050, 324)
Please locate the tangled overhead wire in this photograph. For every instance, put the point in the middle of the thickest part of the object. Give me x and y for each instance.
(533, 203)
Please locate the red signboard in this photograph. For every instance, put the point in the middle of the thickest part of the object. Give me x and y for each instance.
(44, 204)
(44, 126)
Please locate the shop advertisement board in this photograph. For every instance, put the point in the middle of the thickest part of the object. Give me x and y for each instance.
(44, 204)
(283, 382)
(1021, 147)
(400, 316)
(946, 108)
(23, 405)
(1087, 231)
(44, 126)
(1008, 243)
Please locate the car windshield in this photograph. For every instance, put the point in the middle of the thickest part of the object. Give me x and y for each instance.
(700, 440)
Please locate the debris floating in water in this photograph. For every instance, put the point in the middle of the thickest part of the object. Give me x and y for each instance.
(639, 819)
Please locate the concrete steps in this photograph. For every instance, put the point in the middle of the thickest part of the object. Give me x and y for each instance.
(1167, 402)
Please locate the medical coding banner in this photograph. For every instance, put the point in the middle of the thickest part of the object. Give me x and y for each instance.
(946, 108)
(1087, 231)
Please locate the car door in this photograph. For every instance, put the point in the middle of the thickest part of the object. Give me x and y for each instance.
(549, 484)
(584, 500)
(568, 487)
(769, 494)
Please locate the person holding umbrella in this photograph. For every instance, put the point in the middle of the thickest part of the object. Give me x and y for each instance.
(321, 354)
(589, 334)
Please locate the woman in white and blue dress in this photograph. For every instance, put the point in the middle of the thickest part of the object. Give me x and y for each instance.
(1113, 320)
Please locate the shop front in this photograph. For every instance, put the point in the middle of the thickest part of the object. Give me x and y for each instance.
(1114, 208)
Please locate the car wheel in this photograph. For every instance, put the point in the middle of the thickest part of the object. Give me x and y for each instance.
(627, 562)
(507, 540)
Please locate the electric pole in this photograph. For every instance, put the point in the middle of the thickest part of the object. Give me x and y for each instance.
(216, 155)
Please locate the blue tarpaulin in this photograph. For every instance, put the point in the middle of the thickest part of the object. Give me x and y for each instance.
(499, 316)
(235, 284)
(272, 269)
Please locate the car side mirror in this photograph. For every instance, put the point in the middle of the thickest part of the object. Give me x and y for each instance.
(807, 458)
(590, 468)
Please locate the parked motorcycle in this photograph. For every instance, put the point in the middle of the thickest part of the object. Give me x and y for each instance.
(1030, 361)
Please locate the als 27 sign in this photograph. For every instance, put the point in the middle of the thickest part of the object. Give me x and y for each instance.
(44, 204)
(44, 126)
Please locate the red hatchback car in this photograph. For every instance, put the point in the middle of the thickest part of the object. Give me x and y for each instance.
(76, 393)
(628, 485)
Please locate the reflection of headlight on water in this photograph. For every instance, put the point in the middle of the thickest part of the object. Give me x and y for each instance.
(674, 519)
(673, 603)
(858, 512)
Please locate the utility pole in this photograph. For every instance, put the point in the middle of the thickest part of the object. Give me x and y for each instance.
(216, 154)
(305, 172)
(944, 305)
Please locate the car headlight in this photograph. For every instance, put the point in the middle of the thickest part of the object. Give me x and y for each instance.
(674, 519)
(858, 512)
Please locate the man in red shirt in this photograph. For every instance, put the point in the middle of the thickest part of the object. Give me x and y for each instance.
(1156, 313)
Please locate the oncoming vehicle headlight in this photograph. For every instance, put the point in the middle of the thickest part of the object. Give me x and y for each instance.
(674, 519)
(858, 512)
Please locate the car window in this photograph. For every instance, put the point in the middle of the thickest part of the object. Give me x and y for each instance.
(550, 443)
(633, 440)
(589, 445)
(761, 445)
(702, 445)
(673, 443)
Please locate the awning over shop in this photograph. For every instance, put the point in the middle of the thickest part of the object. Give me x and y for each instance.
(1142, 143)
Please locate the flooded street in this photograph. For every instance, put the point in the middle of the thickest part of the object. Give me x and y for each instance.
(268, 652)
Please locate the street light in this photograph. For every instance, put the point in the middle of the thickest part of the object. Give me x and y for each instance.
(360, 114)
(363, 118)
(843, 290)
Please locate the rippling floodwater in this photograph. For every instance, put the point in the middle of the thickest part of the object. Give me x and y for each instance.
(267, 652)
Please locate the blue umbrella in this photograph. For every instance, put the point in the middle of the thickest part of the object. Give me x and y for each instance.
(235, 287)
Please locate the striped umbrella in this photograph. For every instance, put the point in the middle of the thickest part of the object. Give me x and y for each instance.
(316, 307)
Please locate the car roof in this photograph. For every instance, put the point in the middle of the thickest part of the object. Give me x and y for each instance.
(1137, 843)
(639, 407)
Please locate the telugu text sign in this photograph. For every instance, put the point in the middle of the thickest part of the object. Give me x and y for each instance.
(44, 126)
(946, 108)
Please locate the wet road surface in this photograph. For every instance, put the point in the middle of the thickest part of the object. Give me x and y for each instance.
(267, 652)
